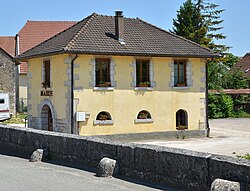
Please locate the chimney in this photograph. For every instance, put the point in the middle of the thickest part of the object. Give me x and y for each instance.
(119, 26)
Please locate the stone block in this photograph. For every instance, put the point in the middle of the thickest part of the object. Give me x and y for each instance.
(225, 185)
(37, 156)
(107, 167)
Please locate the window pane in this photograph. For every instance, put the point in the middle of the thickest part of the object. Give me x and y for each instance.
(175, 73)
(1, 101)
(47, 73)
(181, 73)
(102, 71)
(142, 71)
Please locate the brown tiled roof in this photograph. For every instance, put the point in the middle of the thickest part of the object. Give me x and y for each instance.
(95, 35)
(244, 64)
(7, 43)
(35, 32)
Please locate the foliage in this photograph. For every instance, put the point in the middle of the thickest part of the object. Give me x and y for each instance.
(16, 119)
(229, 60)
(234, 79)
(220, 106)
(246, 156)
(211, 14)
(190, 25)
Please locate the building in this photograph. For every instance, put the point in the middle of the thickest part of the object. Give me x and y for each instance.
(244, 66)
(115, 75)
(7, 69)
(32, 34)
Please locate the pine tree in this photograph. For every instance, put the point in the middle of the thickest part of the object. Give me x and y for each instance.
(190, 24)
(211, 14)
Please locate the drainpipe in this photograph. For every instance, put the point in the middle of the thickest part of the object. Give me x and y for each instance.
(72, 93)
(207, 123)
(17, 73)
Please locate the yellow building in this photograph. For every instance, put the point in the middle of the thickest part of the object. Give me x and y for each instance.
(128, 76)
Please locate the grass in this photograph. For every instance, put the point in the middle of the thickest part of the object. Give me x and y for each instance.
(241, 114)
(16, 119)
(246, 156)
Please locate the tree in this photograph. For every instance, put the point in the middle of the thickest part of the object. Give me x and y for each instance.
(234, 79)
(211, 16)
(190, 25)
(229, 60)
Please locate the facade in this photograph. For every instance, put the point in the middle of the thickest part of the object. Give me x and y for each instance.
(7, 77)
(128, 76)
(7, 69)
(32, 34)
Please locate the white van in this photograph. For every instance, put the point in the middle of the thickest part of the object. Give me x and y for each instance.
(4, 106)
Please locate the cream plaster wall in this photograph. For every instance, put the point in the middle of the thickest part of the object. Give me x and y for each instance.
(123, 102)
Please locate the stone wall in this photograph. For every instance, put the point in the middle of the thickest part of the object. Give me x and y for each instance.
(7, 78)
(177, 168)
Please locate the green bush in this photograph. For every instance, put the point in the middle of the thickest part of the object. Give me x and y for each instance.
(220, 106)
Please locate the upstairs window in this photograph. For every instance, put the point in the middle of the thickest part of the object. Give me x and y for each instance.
(142, 73)
(102, 72)
(46, 81)
(180, 78)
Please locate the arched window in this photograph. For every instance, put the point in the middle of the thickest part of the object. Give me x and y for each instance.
(181, 120)
(143, 115)
(103, 116)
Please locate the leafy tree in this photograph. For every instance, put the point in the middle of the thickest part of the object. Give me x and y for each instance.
(229, 60)
(190, 25)
(220, 106)
(234, 79)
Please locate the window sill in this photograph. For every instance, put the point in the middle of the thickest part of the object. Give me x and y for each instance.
(144, 89)
(103, 122)
(103, 88)
(181, 88)
(144, 121)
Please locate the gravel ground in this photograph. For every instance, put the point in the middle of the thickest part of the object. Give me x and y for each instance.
(229, 137)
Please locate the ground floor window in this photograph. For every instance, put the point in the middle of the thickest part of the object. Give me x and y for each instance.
(103, 116)
(181, 120)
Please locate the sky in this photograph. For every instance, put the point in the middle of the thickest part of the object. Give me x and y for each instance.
(15, 13)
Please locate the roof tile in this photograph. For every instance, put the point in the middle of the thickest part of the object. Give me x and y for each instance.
(95, 35)
(7, 43)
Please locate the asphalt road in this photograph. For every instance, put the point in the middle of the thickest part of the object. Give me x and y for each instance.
(17, 174)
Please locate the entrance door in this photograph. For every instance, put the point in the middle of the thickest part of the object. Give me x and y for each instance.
(47, 119)
(50, 121)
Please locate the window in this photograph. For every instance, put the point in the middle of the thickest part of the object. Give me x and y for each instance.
(102, 72)
(142, 73)
(180, 73)
(103, 116)
(46, 82)
(181, 120)
(1, 101)
(143, 115)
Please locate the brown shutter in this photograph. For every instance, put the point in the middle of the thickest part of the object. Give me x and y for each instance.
(47, 73)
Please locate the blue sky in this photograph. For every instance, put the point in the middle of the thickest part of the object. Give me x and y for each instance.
(14, 14)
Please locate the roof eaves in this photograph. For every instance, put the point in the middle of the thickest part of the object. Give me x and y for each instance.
(7, 54)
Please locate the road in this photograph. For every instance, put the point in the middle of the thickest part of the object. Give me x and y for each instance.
(17, 174)
(229, 137)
